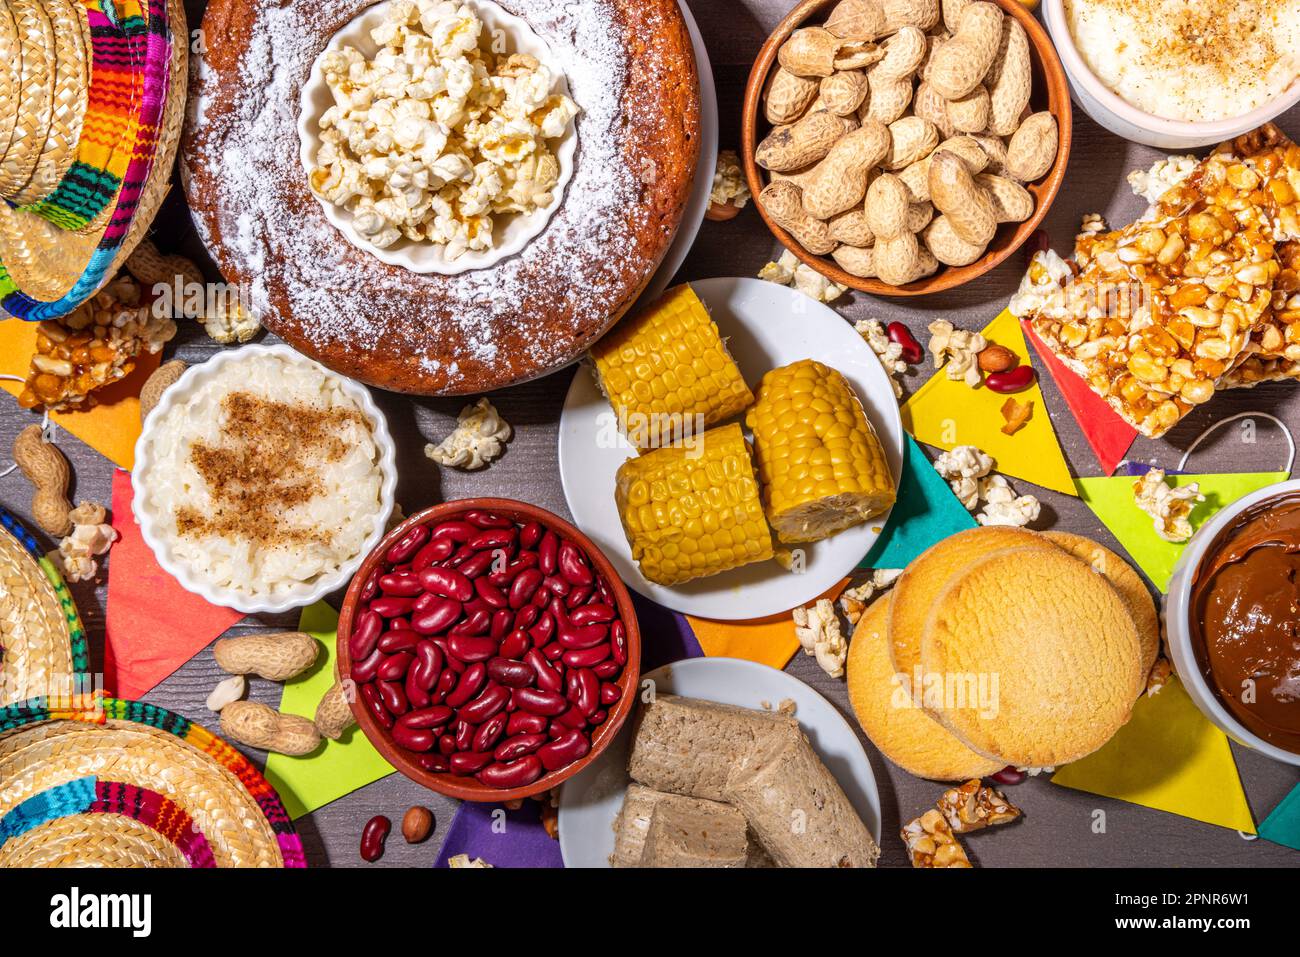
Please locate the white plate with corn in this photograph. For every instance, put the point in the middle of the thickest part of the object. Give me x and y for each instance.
(737, 451)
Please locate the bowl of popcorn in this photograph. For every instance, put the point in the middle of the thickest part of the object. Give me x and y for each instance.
(439, 136)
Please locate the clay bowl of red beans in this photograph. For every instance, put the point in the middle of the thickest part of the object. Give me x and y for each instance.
(492, 648)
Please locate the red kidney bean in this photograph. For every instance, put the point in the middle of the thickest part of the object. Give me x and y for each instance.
(467, 762)
(542, 632)
(515, 644)
(413, 739)
(371, 588)
(571, 718)
(516, 774)
(449, 660)
(547, 552)
(417, 696)
(470, 648)
(398, 639)
(527, 616)
(446, 681)
(464, 732)
(504, 576)
(365, 634)
(518, 745)
(473, 625)
(588, 636)
(502, 619)
(440, 616)
(393, 668)
(392, 606)
(912, 352)
(373, 836)
(512, 674)
(525, 586)
(607, 669)
(585, 692)
(579, 596)
(491, 538)
(446, 582)
(524, 722)
(531, 534)
(1009, 775)
(598, 717)
(553, 652)
(470, 684)
(428, 664)
(492, 700)
(456, 530)
(459, 557)
(364, 671)
(609, 693)
(557, 585)
(476, 604)
(407, 545)
(618, 642)
(1013, 380)
(555, 729)
(564, 750)
(596, 613)
(437, 763)
(447, 744)
(490, 593)
(606, 593)
(477, 564)
(573, 566)
(394, 698)
(540, 701)
(548, 679)
(436, 551)
(541, 597)
(405, 585)
(375, 705)
(484, 519)
(586, 657)
(426, 719)
(490, 731)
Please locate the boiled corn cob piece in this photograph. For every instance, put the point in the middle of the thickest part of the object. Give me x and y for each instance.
(821, 466)
(693, 510)
(664, 367)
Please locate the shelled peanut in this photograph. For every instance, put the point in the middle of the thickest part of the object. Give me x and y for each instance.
(902, 136)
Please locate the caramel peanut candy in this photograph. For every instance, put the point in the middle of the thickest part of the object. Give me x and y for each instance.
(931, 843)
(972, 807)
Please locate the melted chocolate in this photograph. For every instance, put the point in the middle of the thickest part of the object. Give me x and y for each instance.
(1245, 619)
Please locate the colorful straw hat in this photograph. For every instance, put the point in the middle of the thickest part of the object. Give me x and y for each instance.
(42, 641)
(107, 117)
(111, 783)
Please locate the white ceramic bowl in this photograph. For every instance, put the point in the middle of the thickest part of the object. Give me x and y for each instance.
(511, 233)
(1177, 613)
(1123, 119)
(307, 592)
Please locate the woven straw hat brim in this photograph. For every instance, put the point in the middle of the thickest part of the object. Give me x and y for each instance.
(35, 639)
(11, 65)
(35, 95)
(68, 105)
(46, 261)
(33, 760)
(105, 840)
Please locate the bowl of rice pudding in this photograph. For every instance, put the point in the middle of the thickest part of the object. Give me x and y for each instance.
(1178, 74)
(262, 479)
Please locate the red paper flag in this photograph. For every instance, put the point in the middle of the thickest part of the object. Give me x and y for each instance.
(1107, 434)
(154, 625)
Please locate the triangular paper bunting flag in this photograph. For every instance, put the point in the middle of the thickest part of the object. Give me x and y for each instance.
(337, 767)
(1111, 500)
(1170, 758)
(1109, 436)
(944, 413)
(153, 625)
(1283, 825)
(769, 641)
(926, 512)
(112, 425)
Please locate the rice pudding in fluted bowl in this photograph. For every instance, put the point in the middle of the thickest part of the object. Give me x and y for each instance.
(1175, 74)
(262, 479)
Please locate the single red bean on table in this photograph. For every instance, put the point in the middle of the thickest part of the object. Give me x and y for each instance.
(1014, 380)
(912, 353)
(373, 836)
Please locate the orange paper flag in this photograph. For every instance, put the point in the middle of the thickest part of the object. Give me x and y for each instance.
(769, 641)
(110, 427)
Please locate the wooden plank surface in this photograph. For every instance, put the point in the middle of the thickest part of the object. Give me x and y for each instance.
(1058, 826)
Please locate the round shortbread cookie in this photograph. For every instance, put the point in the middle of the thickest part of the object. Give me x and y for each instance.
(1049, 644)
(1130, 586)
(915, 592)
(901, 730)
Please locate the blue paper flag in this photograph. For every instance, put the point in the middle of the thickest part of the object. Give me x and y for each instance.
(926, 512)
(1283, 825)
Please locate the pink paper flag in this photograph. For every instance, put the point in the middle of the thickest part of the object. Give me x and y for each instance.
(153, 625)
(1107, 434)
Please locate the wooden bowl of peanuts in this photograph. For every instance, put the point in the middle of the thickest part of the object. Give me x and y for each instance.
(904, 147)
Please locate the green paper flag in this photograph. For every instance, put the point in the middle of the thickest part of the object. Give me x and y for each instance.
(1283, 825)
(926, 512)
(1169, 758)
(337, 767)
(1111, 499)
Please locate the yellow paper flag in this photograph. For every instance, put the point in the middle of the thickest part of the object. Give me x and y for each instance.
(1170, 758)
(944, 413)
(112, 426)
(769, 641)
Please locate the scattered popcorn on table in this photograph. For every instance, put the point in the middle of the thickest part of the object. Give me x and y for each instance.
(729, 186)
(889, 352)
(963, 467)
(818, 630)
(232, 324)
(1169, 508)
(462, 860)
(91, 536)
(789, 271)
(959, 349)
(1163, 176)
(1003, 506)
(854, 601)
(437, 134)
(1092, 223)
(479, 438)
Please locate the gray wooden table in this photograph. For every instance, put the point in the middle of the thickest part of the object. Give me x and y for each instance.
(1058, 825)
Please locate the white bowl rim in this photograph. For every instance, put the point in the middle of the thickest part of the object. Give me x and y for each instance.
(305, 593)
(406, 253)
(1177, 615)
(1209, 130)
